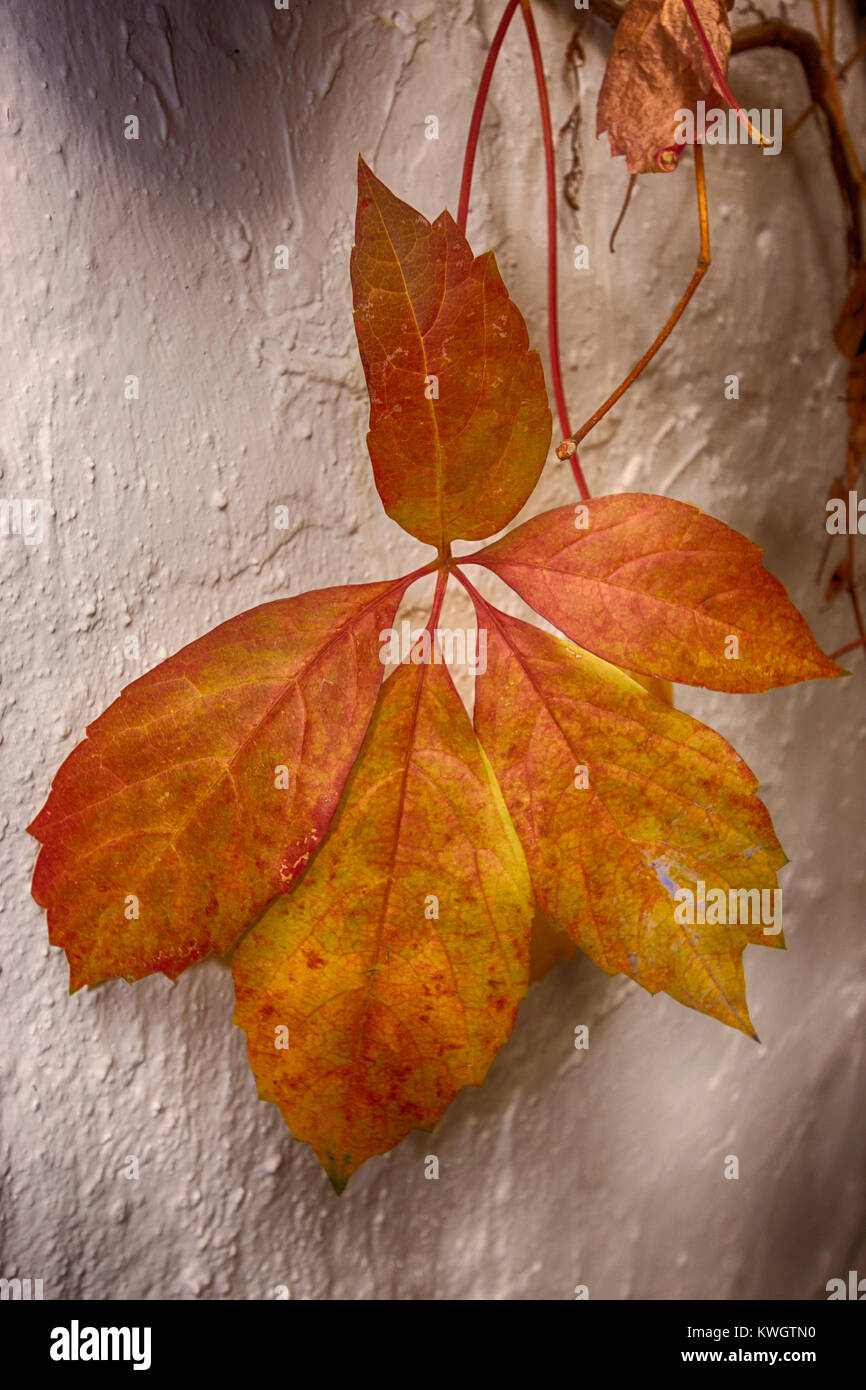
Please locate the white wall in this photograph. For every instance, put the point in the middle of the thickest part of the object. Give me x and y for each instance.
(155, 258)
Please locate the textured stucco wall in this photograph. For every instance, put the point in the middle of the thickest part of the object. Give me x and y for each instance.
(155, 258)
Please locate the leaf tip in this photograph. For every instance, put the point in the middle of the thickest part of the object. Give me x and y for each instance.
(76, 981)
(832, 668)
(339, 1184)
(366, 177)
(365, 173)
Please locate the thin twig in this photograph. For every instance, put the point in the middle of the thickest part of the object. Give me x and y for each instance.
(841, 73)
(550, 174)
(848, 647)
(622, 212)
(564, 450)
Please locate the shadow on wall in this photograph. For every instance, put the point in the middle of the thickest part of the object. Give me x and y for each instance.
(202, 104)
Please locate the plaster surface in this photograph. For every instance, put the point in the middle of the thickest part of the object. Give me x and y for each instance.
(155, 258)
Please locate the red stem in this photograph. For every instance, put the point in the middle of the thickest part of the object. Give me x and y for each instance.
(406, 579)
(477, 600)
(441, 584)
(849, 648)
(478, 112)
(552, 310)
(714, 64)
(466, 185)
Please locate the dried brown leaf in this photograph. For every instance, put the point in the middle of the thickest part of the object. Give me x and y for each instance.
(657, 68)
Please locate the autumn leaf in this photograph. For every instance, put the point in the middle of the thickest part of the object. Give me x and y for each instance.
(398, 962)
(619, 802)
(203, 790)
(659, 587)
(388, 876)
(459, 419)
(658, 68)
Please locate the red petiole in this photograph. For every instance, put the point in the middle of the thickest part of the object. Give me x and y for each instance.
(550, 171)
